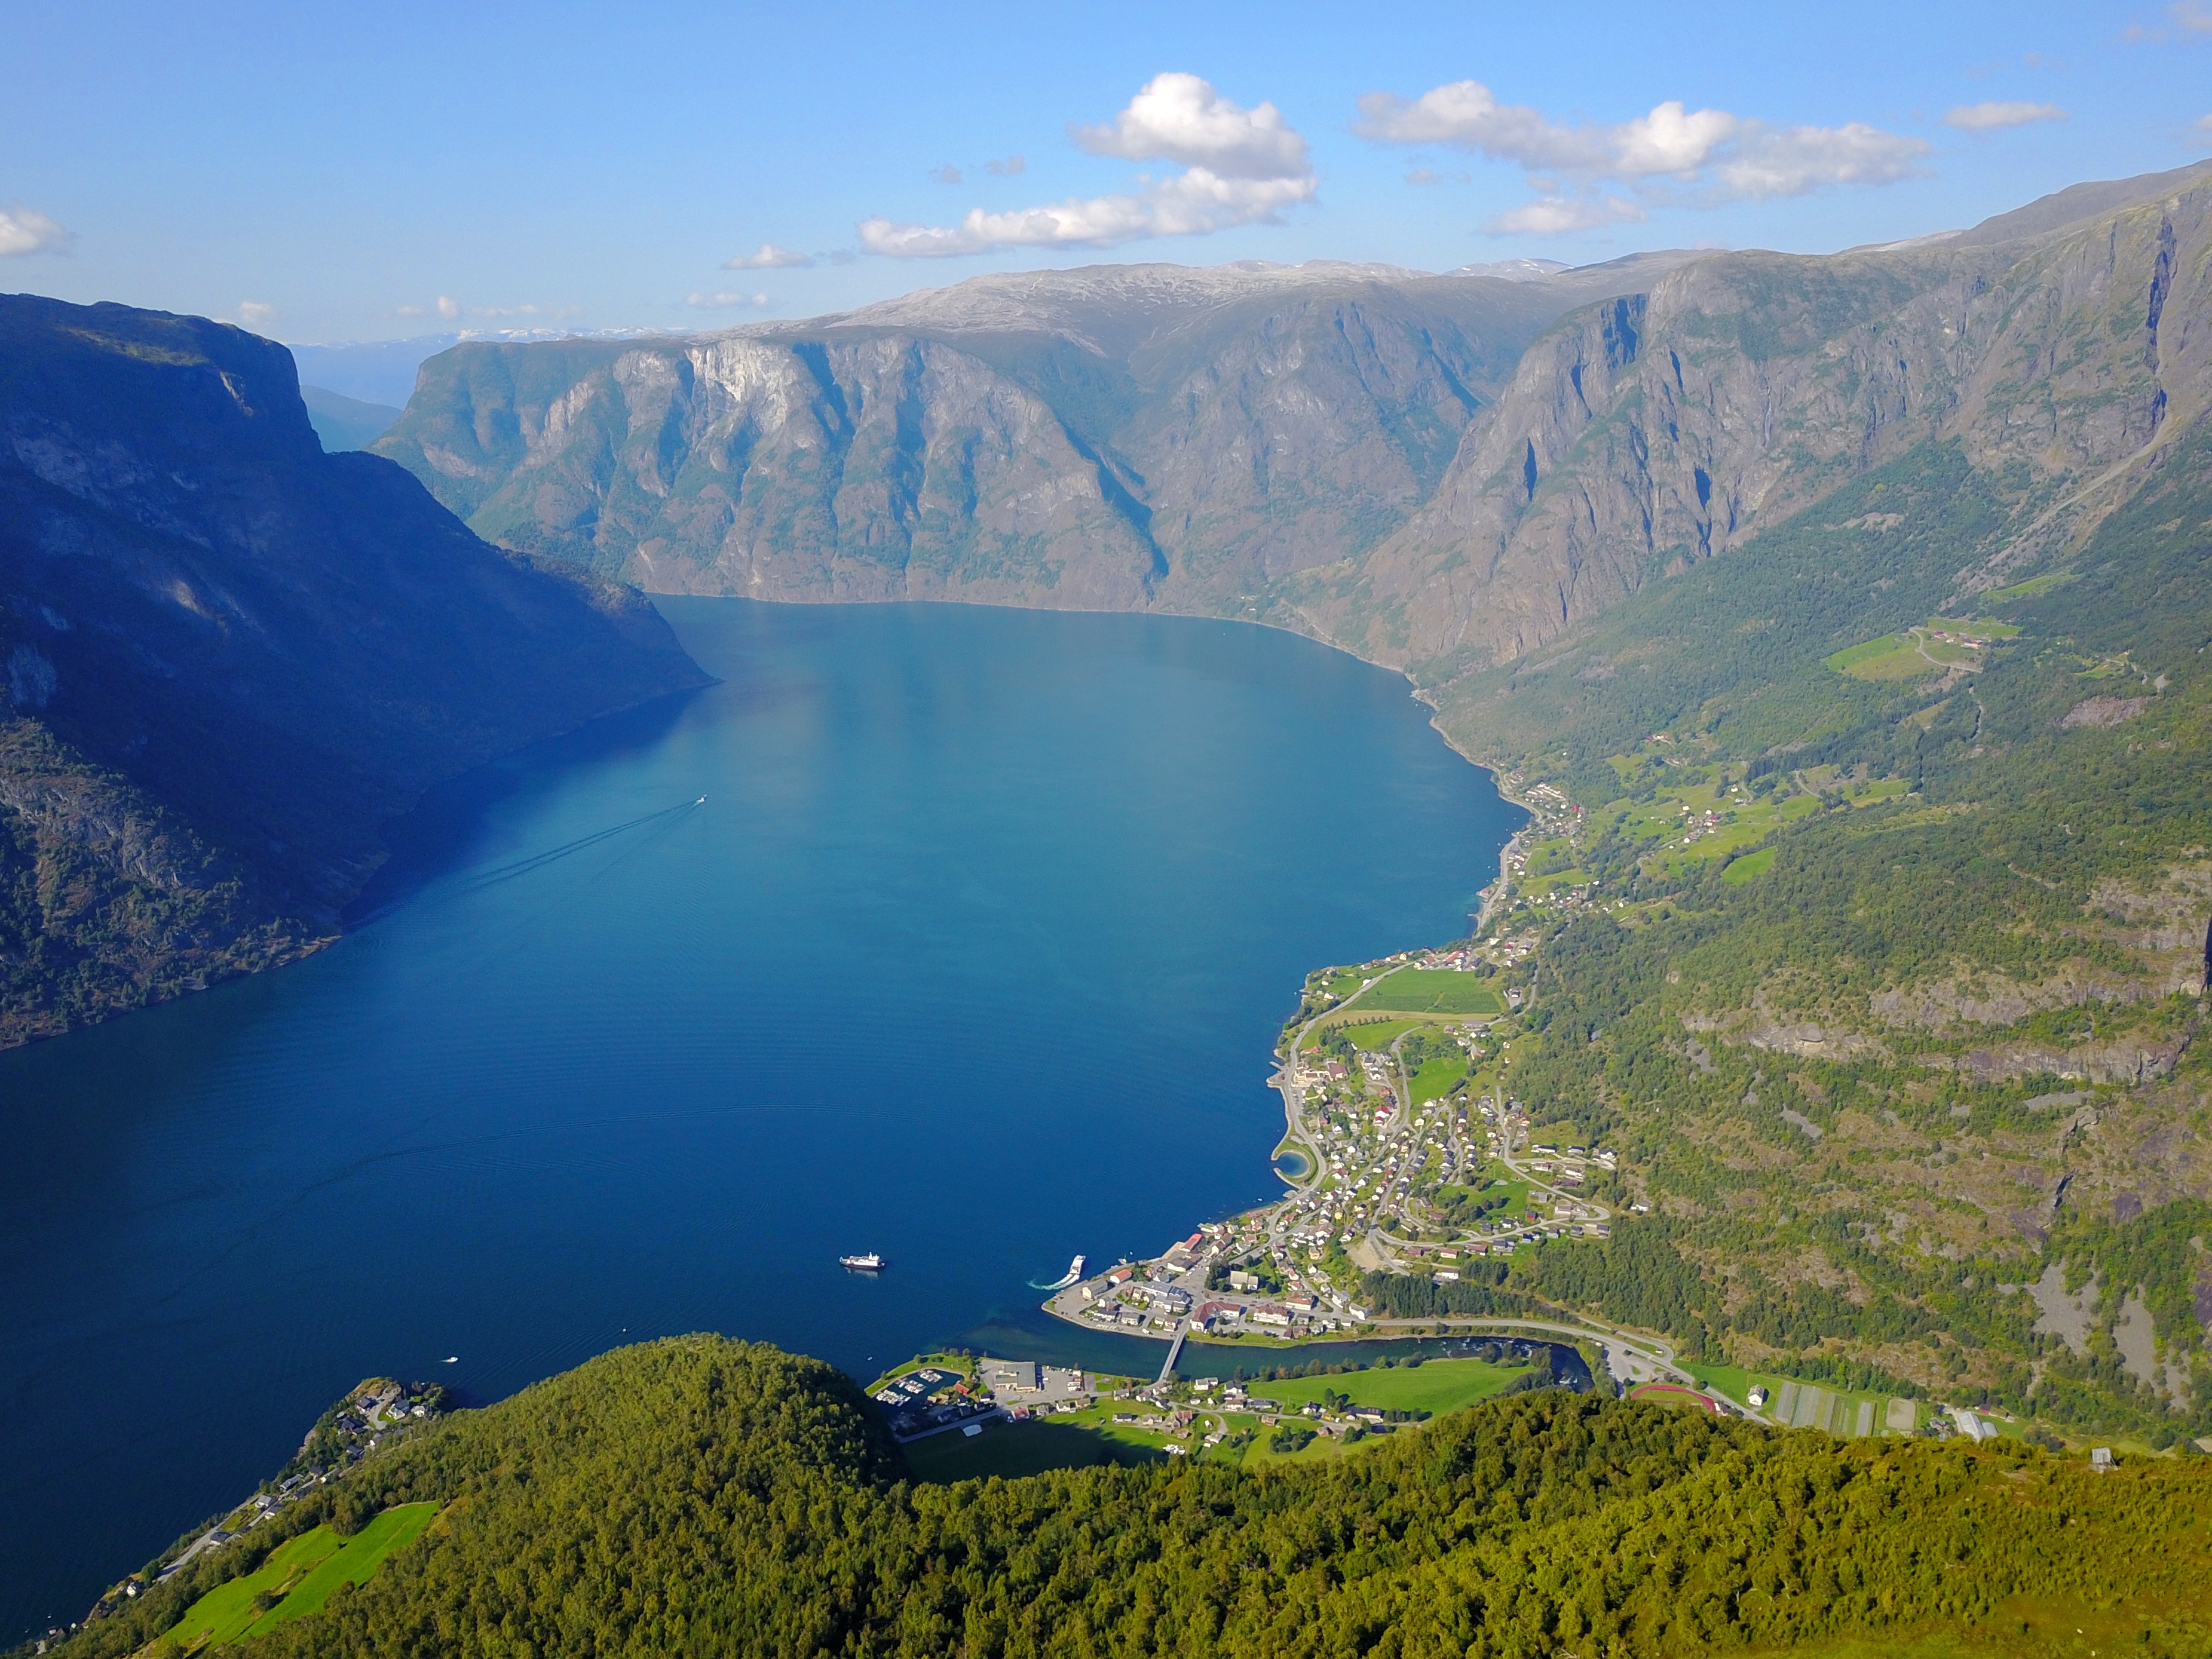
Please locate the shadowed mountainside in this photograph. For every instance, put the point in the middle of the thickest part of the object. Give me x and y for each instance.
(228, 658)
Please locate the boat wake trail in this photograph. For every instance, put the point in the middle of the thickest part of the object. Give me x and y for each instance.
(1074, 1272)
(507, 872)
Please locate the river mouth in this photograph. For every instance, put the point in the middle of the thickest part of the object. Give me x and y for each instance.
(974, 955)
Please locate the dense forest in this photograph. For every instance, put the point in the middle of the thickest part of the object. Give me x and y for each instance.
(697, 1495)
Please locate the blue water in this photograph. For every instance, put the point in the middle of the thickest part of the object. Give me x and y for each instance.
(974, 955)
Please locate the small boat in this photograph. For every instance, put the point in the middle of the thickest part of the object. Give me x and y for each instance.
(868, 1263)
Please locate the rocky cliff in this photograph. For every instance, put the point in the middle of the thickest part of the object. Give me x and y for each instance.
(1433, 471)
(1127, 437)
(1639, 435)
(225, 658)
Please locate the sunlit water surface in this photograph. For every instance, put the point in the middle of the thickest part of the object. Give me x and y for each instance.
(973, 954)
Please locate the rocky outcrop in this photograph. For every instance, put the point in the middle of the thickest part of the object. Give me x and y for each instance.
(227, 658)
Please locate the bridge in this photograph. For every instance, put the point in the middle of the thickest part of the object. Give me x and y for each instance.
(1175, 1351)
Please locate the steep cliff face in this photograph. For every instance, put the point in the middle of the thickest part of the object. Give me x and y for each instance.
(872, 468)
(225, 658)
(1123, 438)
(1648, 432)
(1433, 471)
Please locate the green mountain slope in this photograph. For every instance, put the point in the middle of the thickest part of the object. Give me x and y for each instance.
(699, 1495)
(227, 658)
(1917, 1095)
(2062, 348)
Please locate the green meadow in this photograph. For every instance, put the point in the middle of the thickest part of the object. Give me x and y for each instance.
(1434, 991)
(302, 1573)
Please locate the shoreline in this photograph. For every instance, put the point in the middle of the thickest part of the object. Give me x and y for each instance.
(1182, 1275)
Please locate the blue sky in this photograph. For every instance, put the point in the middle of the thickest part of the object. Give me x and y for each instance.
(363, 172)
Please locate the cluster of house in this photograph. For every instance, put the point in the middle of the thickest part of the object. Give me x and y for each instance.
(1700, 827)
(1568, 1167)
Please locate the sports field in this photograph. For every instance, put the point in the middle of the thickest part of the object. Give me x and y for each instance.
(1436, 1386)
(1434, 991)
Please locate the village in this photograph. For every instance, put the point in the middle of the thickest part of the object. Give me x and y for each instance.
(938, 1406)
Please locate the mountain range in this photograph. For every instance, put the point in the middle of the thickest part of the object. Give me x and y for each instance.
(1433, 471)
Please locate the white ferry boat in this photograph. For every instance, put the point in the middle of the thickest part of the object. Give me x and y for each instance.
(1074, 1273)
(869, 1263)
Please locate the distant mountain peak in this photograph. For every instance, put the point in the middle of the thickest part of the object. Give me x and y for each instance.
(1515, 271)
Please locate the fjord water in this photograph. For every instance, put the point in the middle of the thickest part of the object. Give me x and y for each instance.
(973, 954)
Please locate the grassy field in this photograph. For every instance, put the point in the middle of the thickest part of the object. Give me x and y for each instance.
(1749, 867)
(2033, 589)
(1493, 1177)
(1436, 1386)
(1344, 983)
(1434, 991)
(1375, 1035)
(305, 1571)
(1744, 819)
(1892, 657)
(1918, 652)
(1436, 1078)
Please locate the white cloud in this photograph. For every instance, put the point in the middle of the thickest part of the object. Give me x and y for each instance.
(1012, 166)
(1988, 118)
(767, 257)
(446, 307)
(251, 314)
(1180, 118)
(26, 230)
(726, 302)
(1555, 215)
(1241, 168)
(1797, 160)
(1671, 139)
(1724, 156)
(2204, 123)
(947, 174)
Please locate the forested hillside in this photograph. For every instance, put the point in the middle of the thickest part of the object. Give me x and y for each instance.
(700, 1496)
(1908, 1079)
